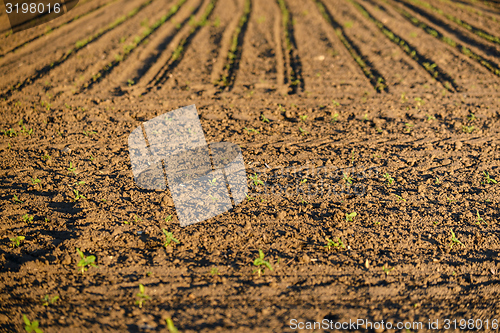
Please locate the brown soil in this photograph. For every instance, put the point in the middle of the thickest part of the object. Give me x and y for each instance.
(436, 137)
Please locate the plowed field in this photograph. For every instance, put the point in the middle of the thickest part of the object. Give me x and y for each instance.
(373, 127)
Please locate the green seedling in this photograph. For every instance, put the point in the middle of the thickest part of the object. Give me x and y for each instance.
(71, 169)
(387, 270)
(31, 326)
(214, 199)
(450, 200)
(399, 198)
(303, 118)
(169, 238)
(454, 239)
(79, 183)
(471, 117)
(303, 131)
(27, 218)
(87, 133)
(264, 119)
(430, 117)
(214, 271)
(126, 222)
(46, 301)
(142, 296)
(27, 131)
(256, 180)
(16, 241)
(435, 222)
(467, 129)
(302, 201)
(408, 127)
(335, 117)
(212, 182)
(251, 130)
(46, 157)
(303, 181)
(389, 179)
(480, 219)
(281, 108)
(488, 178)
(78, 196)
(347, 178)
(168, 218)
(16, 199)
(261, 264)
(130, 82)
(170, 326)
(376, 223)
(350, 217)
(249, 198)
(85, 261)
(330, 243)
(46, 220)
(437, 181)
(91, 158)
(10, 132)
(35, 181)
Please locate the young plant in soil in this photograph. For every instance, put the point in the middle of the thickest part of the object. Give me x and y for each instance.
(389, 179)
(335, 117)
(35, 181)
(454, 239)
(480, 219)
(16, 241)
(387, 270)
(261, 264)
(86, 261)
(399, 198)
(256, 180)
(16, 199)
(71, 169)
(142, 296)
(488, 179)
(303, 131)
(27, 218)
(169, 238)
(347, 178)
(331, 243)
(264, 119)
(46, 301)
(170, 326)
(349, 217)
(251, 130)
(31, 326)
(168, 218)
(78, 196)
(214, 271)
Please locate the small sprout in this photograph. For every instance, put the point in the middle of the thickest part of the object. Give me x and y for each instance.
(31, 326)
(130, 82)
(303, 131)
(435, 222)
(488, 178)
(256, 180)
(79, 183)
(303, 118)
(46, 220)
(454, 239)
(467, 129)
(249, 198)
(71, 169)
(450, 200)
(302, 201)
(142, 296)
(251, 130)
(480, 219)
(35, 181)
(347, 178)
(78, 196)
(214, 199)
(335, 117)
(335, 103)
(46, 157)
(259, 262)
(387, 270)
(27, 218)
(16, 241)
(169, 238)
(303, 181)
(350, 217)
(126, 222)
(264, 119)
(168, 218)
(430, 117)
(437, 181)
(10, 132)
(408, 127)
(91, 158)
(400, 198)
(86, 261)
(212, 182)
(282, 109)
(471, 117)
(331, 243)
(137, 219)
(87, 133)
(214, 271)
(46, 301)
(170, 326)
(389, 179)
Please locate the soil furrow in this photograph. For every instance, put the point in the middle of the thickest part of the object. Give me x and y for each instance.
(79, 45)
(131, 47)
(477, 31)
(434, 71)
(294, 78)
(228, 75)
(49, 30)
(162, 75)
(466, 50)
(376, 79)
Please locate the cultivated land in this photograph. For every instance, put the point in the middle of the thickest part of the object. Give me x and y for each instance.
(385, 108)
